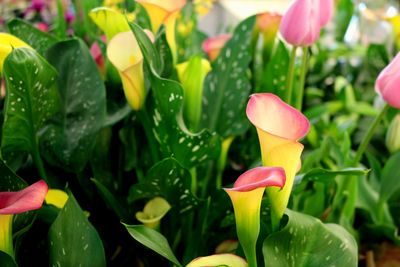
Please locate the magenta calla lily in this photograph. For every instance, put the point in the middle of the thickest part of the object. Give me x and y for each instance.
(388, 83)
(279, 127)
(302, 23)
(246, 196)
(30, 198)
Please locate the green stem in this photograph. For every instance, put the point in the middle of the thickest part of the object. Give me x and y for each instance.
(367, 138)
(144, 119)
(39, 164)
(290, 76)
(193, 174)
(303, 73)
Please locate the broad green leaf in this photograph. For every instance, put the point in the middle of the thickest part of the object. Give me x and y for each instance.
(327, 176)
(306, 242)
(31, 100)
(169, 180)
(390, 177)
(69, 139)
(227, 87)
(153, 240)
(73, 240)
(39, 40)
(6, 260)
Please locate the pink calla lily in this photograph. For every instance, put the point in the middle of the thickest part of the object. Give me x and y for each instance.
(388, 83)
(212, 46)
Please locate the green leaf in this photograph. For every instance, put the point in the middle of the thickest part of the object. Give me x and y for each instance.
(326, 176)
(39, 40)
(153, 240)
(69, 139)
(73, 240)
(6, 260)
(390, 177)
(227, 87)
(169, 180)
(306, 242)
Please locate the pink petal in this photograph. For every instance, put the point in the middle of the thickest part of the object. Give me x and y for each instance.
(388, 83)
(30, 198)
(215, 43)
(259, 177)
(270, 114)
(326, 11)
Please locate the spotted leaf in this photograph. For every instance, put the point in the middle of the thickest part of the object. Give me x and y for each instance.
(306, 241)
(73, 239)
(227, 87)
(69, 139)
(169, 180)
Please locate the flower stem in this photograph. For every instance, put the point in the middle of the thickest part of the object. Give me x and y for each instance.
(367, 138)
(39, 164)
(144, 119)
(303, 73)
(290, 76)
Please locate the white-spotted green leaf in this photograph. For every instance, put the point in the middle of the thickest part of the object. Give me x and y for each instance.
(169, 180)
(39, 40)
(69, 139)
(73, 240)
(227, 87)
(306, 242)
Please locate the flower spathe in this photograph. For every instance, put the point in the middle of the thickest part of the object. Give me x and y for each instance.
(246, 196)
(7, 43)
(388, 83)
(124, 53)
(279, 127)
(230, 260)
(30, 198)
(213, 45)
(302, 22)
(153, 212)
(110, 21)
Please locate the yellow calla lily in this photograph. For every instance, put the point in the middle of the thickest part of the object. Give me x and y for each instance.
(124, 53)
(279, 126)
(7, 43)
(110, 21)
(56, 197)
(230, 260)
(153, 212)
(164, 12)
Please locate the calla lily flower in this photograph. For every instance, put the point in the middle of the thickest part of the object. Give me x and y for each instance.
(279, 127)
(153, 212)
(97, 55)
(268, 24)
(192, 74)
(164, 12)
(302, 23)
(230, 260)
(246, 196)
(124, 53)
(212, 46)
(56, 197)
(30, 198)
(388, 83)
(227, 246)
(7, 43)
(110, 21)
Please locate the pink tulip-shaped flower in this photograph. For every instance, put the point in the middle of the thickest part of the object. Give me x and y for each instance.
(388, 83)
(246, 196)
(30, 198)
(302, 23)
(279, 127)
(212, 46)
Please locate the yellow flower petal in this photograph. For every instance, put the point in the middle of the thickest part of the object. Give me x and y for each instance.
(7, 43)
(153, 212)
(218, 260)
(56, 198)
(109, 21)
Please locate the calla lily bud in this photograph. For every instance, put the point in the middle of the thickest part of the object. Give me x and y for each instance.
(279, 127)
(246, 196)
(124, 53)
(212, 46)
(7, 43)
(388, 83)
(393, 135)
(30, 198)
(153, 212)
(192, 74)
(230, 260)
(302, 23)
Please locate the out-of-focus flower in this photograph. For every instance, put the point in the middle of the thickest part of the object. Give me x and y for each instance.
(30, 198)
(124, 53)
(42, 26)
(69, 16)
(246, 196)
(302, 22)
(7, 43)
(153, 212)
(202, 7)
(97, 55)
(212, 46)
(279, 127)
(192, 74)
(185, 27)
(388, 83)
(230, 260)
(393, 135)
(227, 246)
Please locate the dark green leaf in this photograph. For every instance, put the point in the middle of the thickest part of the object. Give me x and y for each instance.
(68, 140)
(227, 87)
(326, 176)
(6, 260)
(153, 240)
(39, 40)
(390, 177)
(73, 240)
(306, 242)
